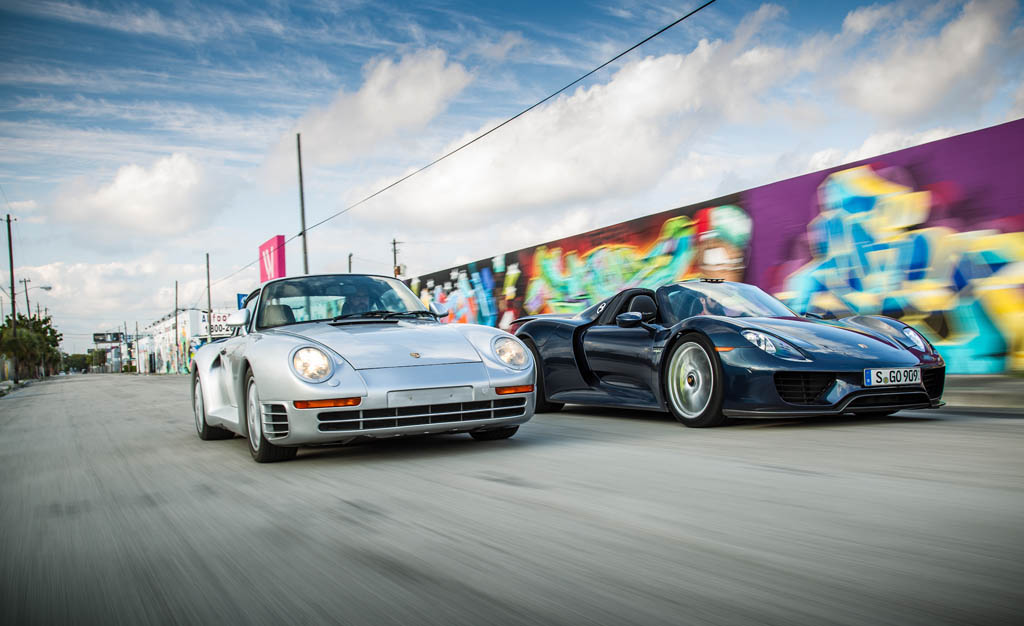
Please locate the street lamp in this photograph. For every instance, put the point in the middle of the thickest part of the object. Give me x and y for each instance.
(25, 282)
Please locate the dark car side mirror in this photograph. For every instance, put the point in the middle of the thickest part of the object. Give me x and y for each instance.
(629, 319)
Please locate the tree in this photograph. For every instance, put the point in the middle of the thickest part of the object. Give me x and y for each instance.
(98, 357)
(35, 343)
(77, 362)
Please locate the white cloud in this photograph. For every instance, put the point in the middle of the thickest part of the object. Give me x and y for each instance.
(498, 50)
(863, 20)
(96, 297)
(1017, 108)
(920, 75)
(394, 98)
(605, 140)
(167, 198)
(875, 144)
(23, 206)
(195, 26)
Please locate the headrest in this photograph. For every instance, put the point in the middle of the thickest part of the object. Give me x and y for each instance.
(644, 305)
(277, 315)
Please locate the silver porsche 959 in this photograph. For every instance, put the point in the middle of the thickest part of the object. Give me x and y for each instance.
(335, 359)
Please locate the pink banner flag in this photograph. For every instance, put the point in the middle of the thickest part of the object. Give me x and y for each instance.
(272, 258)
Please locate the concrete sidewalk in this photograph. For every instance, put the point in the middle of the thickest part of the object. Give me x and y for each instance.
(985, 392)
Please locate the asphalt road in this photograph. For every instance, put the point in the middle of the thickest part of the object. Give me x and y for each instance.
(112, 511)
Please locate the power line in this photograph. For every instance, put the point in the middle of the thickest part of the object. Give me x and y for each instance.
(478, 137)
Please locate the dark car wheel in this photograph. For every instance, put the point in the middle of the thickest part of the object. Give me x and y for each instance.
(492, 435)
(206, 432)
(262, 450)
(542, 405)
(693, 382)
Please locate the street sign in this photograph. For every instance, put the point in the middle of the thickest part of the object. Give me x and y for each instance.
(106, 337)
(241, 300)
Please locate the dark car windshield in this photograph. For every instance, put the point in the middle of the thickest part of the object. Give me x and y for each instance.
(318, 298)
(729, 299)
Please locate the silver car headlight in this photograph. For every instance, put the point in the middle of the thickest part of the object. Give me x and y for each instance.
(915, 338)
(773, 345)
(510, 352)
(311, 364)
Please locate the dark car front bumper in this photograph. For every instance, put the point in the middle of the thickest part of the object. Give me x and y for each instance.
(759, 385)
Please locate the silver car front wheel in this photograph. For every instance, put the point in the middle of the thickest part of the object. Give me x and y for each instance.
(262, 450)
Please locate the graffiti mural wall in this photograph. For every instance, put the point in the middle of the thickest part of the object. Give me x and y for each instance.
(570, 274)
(932, 235)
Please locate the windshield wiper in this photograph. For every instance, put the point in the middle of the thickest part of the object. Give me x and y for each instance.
(364, 314)
(412, 313)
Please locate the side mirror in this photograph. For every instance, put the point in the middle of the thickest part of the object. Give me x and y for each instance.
(439, 310)
(630, 319)
(238, 318)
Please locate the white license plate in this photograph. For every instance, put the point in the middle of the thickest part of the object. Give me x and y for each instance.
(440, 395)
(892, 376)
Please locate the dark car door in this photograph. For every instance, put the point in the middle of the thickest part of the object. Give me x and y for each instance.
(621, 359)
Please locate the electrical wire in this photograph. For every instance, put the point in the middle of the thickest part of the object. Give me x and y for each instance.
(478, 137)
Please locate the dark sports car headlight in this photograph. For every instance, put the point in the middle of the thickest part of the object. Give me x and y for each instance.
(916, 338)
(773, 345)
(311, 364)
(510, 352)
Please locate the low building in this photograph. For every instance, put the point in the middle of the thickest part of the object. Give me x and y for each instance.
(161, 350)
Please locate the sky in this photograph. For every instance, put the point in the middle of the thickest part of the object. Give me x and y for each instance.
(135, 138)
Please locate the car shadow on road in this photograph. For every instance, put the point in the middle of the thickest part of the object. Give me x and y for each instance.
(739, 422)
(419, 447)
(825, 421)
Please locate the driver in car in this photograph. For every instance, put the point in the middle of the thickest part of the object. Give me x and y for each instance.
(358, 302)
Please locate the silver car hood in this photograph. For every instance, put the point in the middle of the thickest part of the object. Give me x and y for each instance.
(375, 345)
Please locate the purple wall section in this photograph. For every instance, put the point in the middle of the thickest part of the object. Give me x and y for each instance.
(985, 169)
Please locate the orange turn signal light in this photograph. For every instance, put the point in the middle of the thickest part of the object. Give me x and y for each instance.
(723, 349)
(517, 389)
(323, 404)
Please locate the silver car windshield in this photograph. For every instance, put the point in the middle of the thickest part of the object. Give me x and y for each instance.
(324, 298)
(728, 299)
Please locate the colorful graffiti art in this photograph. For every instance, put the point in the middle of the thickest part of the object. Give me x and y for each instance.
(570, 274)
(712, 243)
(875, 251)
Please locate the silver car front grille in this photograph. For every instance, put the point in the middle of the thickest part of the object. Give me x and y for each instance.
(372, 419)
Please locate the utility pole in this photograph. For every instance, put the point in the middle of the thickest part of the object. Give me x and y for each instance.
(349, 262)
(127, 346)
(38, 316)
(14, 302)
(177, 356)
(28, 307)
(302, 207)
(394, 255)
(137, 368)
(209, 307)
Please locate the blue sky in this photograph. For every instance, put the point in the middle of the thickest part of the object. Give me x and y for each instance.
(139, 136)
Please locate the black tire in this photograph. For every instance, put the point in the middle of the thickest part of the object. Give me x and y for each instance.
(205, 431)
(493, 435)
(693, 382)
(542, 404)
(262, 451)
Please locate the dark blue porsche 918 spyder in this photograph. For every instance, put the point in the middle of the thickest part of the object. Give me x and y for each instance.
(706, 349)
